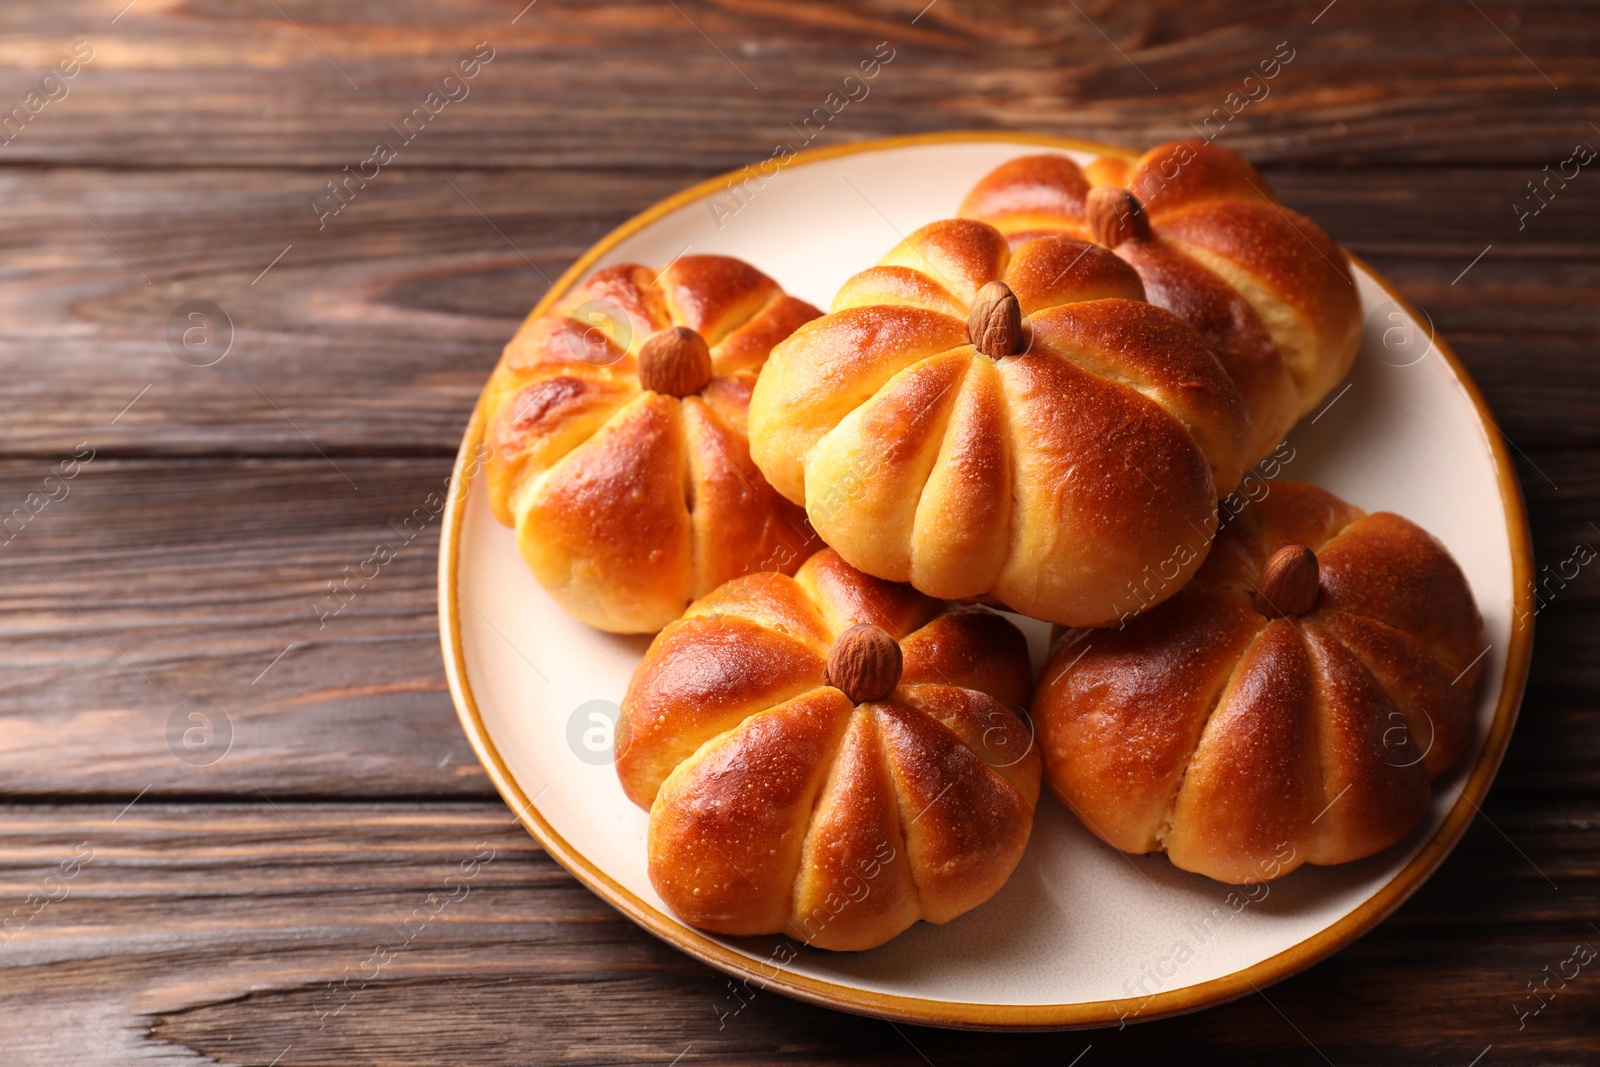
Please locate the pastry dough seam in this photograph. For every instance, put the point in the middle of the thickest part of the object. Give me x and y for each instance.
(1297, 349)
(660, 295)
(1164, 826)
(900, 800)
(531, 486)
(831, 758)
(1409, 711)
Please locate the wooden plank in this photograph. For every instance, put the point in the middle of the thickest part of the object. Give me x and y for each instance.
(153, 583)
(247, 935)
(217, 910)
(376, 333)
(149, 587)
(394, 320)
(649, 85)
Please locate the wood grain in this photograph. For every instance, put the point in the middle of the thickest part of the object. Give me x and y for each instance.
(508, 960)
(108, 638)
(221, 594)
(184, 562)
(376, 334)
(649, 85)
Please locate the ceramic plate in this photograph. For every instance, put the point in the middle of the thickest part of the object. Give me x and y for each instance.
(1082, 935)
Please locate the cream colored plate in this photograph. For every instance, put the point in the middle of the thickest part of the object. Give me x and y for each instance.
(1081, 935)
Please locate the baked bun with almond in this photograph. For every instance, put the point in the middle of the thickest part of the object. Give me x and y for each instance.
(616, 426)
(830, 756)
(1267, 289)
(1015, 425)
(1295, 699)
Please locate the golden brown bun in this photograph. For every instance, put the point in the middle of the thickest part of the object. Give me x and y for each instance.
(629, 503)
(1267, 289)
(779, 806)
(1046, 481)
(1245, 746)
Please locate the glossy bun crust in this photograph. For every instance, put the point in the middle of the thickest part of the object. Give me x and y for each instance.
(779, 806)
(1245, 746)
(1045, 481)
(629, 503)
(1267, 289)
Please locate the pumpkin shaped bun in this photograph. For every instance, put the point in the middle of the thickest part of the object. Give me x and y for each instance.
(1016, 426)
(1270, 293)
(1294, 700)
(616, 425)
(830, 756)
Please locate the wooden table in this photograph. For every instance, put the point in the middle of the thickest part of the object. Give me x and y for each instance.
(216, 804)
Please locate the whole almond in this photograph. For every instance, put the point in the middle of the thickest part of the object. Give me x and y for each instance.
(674, 362)
(1115, 216)
(1288, 583)
(995, 323)
(864, 663)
